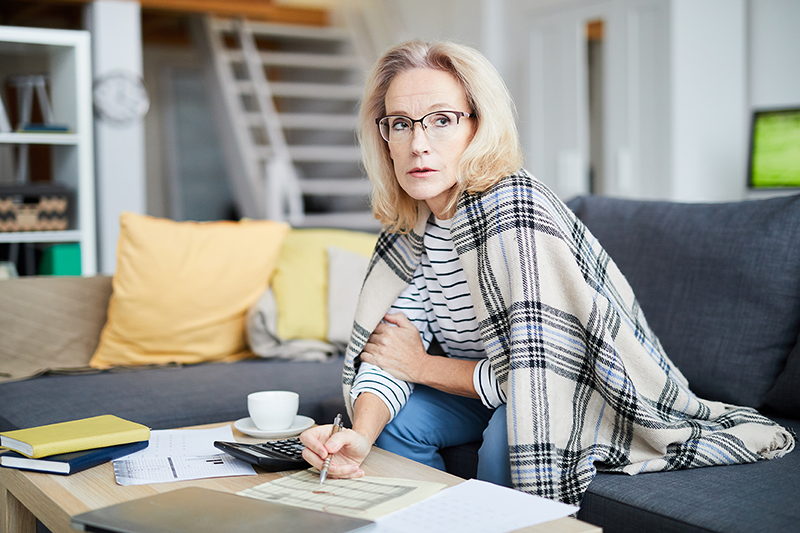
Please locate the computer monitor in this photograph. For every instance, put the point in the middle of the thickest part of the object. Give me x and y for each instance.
(774, 149)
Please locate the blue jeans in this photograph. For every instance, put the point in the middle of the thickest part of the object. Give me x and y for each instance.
(432, 420)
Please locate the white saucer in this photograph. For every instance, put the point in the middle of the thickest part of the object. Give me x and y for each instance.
(300, 424)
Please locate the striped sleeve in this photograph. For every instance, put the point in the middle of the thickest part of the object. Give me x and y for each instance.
(370, 378)
(392, 391)
(487, 386)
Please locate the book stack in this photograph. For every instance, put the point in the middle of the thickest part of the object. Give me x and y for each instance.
(72, 446)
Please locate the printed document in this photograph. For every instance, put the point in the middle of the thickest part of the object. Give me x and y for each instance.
(179, 455)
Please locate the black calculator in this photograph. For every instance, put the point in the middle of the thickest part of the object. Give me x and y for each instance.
(272, 456)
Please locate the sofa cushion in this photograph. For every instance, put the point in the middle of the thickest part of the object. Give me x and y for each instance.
(182, 289)
(172, 396)
(300, 283)
(760, 496)
(718, 283)
(784, 396)
(50, 323)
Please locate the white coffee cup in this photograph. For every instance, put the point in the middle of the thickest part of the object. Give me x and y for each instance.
(273, 410)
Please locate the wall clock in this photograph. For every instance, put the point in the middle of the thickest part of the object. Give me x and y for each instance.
(120, 97)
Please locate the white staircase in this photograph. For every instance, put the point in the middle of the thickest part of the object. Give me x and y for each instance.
(286, 101)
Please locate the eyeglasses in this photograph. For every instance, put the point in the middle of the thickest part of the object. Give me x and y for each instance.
(437, 125)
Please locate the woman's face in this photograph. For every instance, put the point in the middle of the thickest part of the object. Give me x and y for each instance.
(425, 167)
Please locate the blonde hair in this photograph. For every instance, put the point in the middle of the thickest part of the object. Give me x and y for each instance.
(493, 153)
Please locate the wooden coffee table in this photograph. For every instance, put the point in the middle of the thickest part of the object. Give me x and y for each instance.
(26, 496)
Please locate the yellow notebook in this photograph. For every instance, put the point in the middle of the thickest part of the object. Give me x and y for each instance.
(73, 436)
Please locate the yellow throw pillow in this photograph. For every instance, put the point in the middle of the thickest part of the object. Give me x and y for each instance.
(300, 283)
(181, 289)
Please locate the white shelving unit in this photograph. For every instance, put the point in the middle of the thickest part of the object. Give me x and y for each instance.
(64, 56)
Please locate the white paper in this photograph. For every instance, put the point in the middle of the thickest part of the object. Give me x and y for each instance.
(473, 507)
(179, 455)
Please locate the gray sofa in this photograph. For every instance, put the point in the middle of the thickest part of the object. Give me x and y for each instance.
(720, 285)
(57, 320)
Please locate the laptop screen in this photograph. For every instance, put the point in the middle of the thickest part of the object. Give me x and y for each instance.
(199, 510)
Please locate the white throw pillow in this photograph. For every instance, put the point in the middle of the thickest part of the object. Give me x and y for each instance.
(346, 273)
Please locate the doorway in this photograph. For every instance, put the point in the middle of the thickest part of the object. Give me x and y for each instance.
(595, 30)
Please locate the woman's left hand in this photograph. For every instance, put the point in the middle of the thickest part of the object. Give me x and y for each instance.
(397, 348)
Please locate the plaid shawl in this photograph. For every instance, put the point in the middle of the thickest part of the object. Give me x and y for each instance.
(589, 386)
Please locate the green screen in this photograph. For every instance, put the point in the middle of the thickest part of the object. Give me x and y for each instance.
(775, 149)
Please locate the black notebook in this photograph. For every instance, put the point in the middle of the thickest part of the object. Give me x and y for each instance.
(199, 510)
(69, 463)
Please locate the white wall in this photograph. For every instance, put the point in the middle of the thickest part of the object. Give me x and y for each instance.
(119, 149)
(676, 102)
(457, 20)
(774, 53)
(684, 76)
(709, 99)
(773, 59)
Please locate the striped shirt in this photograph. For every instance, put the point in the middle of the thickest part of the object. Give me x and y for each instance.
(439, 304)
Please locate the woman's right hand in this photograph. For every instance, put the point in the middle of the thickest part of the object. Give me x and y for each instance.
(348, 448)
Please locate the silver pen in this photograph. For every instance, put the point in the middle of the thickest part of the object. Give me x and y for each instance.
(337, 425)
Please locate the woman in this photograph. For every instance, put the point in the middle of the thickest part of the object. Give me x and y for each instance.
(549, 358)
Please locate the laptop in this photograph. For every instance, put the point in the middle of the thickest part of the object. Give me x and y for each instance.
(199, 510)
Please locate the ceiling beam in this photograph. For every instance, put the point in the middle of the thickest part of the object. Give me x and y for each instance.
(251, 9)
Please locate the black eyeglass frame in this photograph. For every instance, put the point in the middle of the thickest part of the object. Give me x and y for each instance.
(458, 114)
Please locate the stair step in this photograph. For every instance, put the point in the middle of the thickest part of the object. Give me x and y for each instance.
(311, 153)
(327, 91)
(359, 220)
(299, 60)
(317, 121)
(308, 121)
(315, 154)
(315, 33)
(307, 60)
(336, 186)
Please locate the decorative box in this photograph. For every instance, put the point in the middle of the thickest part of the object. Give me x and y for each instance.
(34, 207)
